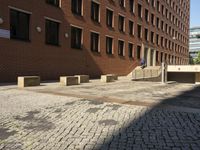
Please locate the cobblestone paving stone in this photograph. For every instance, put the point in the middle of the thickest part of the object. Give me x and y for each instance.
(50, 122)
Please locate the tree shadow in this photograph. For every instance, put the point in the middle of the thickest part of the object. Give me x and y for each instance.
(162, 128)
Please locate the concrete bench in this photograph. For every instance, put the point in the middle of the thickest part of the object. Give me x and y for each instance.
(26, 81)
(107, 78)
(114, 76)
(68, 80)
(82, 78)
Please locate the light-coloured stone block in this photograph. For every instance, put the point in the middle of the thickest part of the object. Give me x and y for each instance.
(114, 76)
(107, 78)
(197, 78)
(26, 81)
(83, 78)
(69, 80)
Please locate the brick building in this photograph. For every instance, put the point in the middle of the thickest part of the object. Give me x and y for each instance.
(51, 38)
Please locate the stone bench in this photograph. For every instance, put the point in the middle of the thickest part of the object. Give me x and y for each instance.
(114, 76)
(82, 78)
(26, 81)
(107, 78)
(68, 80)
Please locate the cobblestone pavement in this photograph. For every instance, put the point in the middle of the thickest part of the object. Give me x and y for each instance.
(31, 120)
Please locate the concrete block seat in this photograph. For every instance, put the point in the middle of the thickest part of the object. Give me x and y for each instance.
(114, 76)
(26, 81)
(83, 78)
(107, 78)
(69, 80)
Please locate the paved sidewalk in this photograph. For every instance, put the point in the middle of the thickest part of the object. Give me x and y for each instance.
(47, 117)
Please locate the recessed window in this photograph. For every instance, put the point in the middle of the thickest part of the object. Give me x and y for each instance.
(19, 25)
(76, 37)
(122, 3)
(138, 52)
(94, 42)
(109, 45)
(152, 19)
(132, 3)
(139, 29)
(146, 15)
(76, 6)
(52, 32)
(95, 11)
(121, 48)
(131, 27)
(121, 23)
(130, 50)
(158, 6)
(53, 2)
(109, 18)
(146, 36)
(139, 11)
(157, 22)
(153, 3)
(152, 37)
(157, 39)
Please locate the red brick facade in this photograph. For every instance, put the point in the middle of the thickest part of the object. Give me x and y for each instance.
(37, 58)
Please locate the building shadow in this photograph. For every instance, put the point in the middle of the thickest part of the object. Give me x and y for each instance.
(162, 128)
(50, 62)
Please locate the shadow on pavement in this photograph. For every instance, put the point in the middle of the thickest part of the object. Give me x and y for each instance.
(161, 128)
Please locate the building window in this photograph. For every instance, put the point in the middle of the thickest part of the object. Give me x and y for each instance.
(157, 22)
(157, 39)
(153, 3)
(132, 3)
(152, 19)
(76, 38)
(121, 23)
(109, 45)
(130, 50)
(139, 29)
(95, 11)
(94, 42)
(121, 48)
(152, 37)
(139, 11)
(52, 32)
(158, 6)
(19, 25)
(109, 18)
(138, 52)
(53, 2)
(76, 6)
(131, 27)
(146, 34)
(122, 3)
(146, 15)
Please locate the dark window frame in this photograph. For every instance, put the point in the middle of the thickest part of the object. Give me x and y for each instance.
(50, 35)
(130, 51)
(109, 46)
(76, 7)
(55, 3)
(19, 30)
(95, 11)
(94, 39)
(109, 22)
(76, 37)
(121, 23)
(121, 47)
